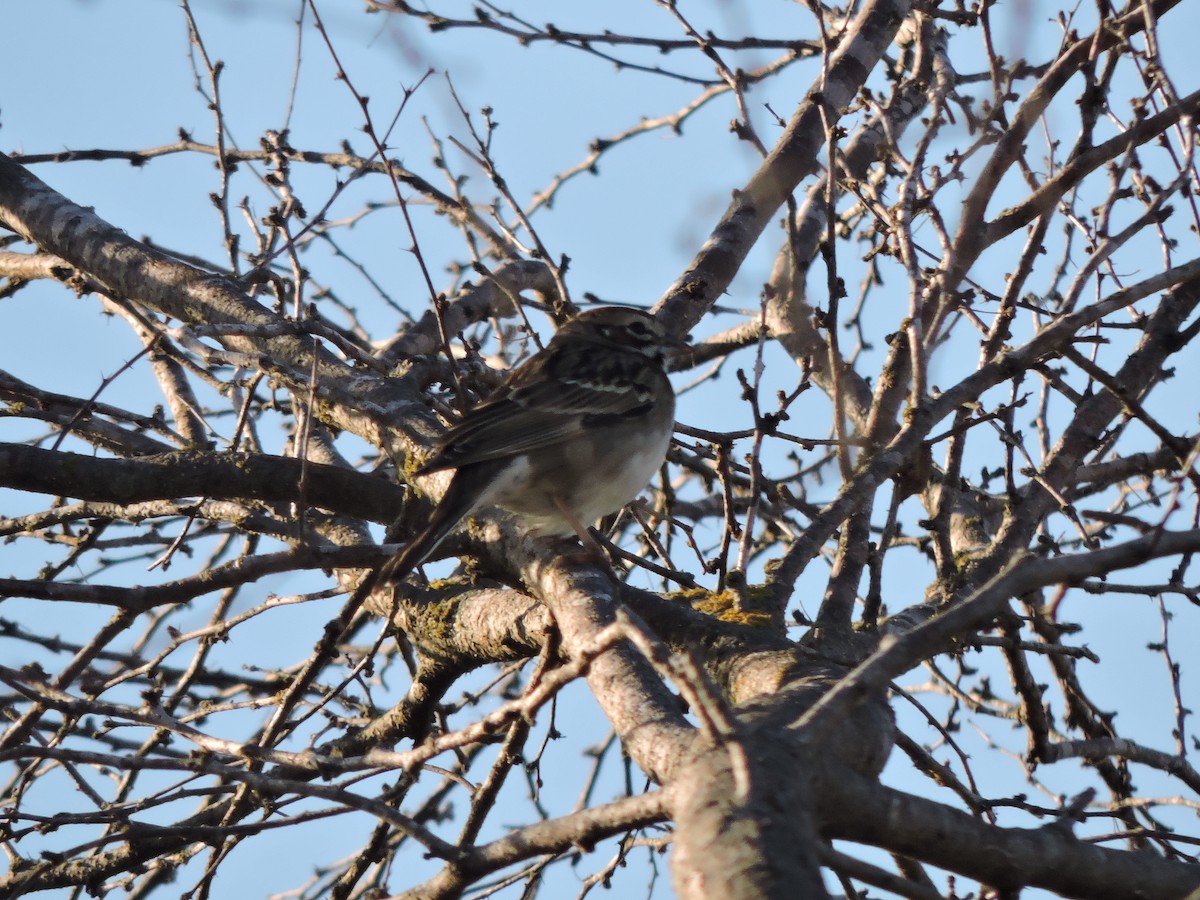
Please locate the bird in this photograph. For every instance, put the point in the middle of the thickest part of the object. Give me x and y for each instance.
(572, 434)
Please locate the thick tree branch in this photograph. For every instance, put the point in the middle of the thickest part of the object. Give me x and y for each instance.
(196, 473)
(793, 157)
(853, 809)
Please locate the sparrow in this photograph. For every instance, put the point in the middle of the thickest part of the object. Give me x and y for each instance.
(571, 435)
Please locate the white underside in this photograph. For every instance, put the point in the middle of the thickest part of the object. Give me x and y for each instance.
(603, 484)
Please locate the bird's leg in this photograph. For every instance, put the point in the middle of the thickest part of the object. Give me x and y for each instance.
(592, 550)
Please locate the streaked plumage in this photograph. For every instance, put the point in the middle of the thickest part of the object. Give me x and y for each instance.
(576, 431)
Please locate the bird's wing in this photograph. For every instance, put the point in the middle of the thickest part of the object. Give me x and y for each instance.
(539, 408)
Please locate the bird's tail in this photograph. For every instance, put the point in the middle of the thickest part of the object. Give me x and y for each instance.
(419, 549)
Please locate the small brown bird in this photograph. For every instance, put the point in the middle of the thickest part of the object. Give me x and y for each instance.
(572, 434)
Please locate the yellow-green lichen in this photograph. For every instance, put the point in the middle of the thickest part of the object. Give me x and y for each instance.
(727, 605)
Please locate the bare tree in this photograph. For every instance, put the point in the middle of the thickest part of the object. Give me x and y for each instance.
(964, 460)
